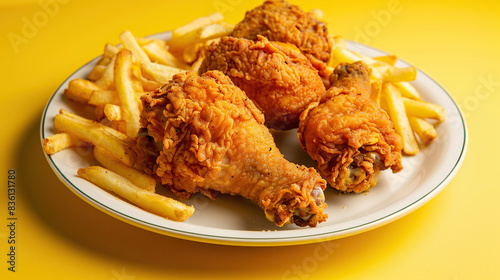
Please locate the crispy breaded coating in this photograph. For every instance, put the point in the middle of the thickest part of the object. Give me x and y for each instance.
(349, 136)
(203, 134)
(277, 77)
(284, 22)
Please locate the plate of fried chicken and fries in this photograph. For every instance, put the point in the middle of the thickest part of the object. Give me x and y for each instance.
(264, 133)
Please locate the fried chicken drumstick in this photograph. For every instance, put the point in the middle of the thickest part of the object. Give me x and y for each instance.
(349, 136)
(283, 22)
(277, 77)
(203, 134)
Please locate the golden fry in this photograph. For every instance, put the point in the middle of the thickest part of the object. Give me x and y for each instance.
(388, 59)
(120, 126)
(376, 91)
(342, 55)
(142, 40)
(425, 131)
(110, 51)
(103, 97)
(339, 42)
(80, 90)
(59, 142)
(197, 64)
(97, 72)
(400, 74)
(149, 201)
(190, 53)
(199, 36)
(396, 109)
(106, 80)
(407, 90)
(126, 93)
(97, 134)
(158, 53)
(150, 85)
(140, 179)
(158, 72)
(131, 44)
(197, 24)
(422, 109)
(113, 112)
(136, 80)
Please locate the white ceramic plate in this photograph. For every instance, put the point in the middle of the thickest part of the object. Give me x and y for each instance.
(236, 221)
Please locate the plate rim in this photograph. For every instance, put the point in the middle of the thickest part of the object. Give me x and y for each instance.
(303, 238)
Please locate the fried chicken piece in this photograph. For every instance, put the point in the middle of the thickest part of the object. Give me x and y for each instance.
(284, 22)
(349, 136)
(203, 134)
(354, 77)
(277, 77)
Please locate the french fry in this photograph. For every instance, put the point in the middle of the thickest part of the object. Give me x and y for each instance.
(126, 93)
(130, 43)
(59, 142)
(120, 126)
(158, 53)
(149, 201)
(190, 53)
(342, 55)
(110, 51)
(376, 91)
(407, 90)
(422, 109)
(397, 112)
(119, 135)
(396, 74)
(425, 131)
(136, 80)
(150, 85)
(140, 179)
(106, 80)
(200, 35)
(380, 69)
(339, 42)
(80, 90)
(368, 60)
(197, 24)
(388, 59)
(387, 72)
(113, 112)
(142, 41)
(97, 72)
(96, 134)
(159, 72)
(103, 61)
(197, 64)
(99, 113)
(103, 97)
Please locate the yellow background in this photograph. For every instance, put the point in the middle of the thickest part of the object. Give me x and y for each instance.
(59, 236)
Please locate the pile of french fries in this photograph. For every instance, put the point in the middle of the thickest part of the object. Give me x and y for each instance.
(125, 72)
(413, 118)
(114, 87)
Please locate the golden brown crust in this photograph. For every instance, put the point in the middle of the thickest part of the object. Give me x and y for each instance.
(279, 79)
(284, 22)
(213, 140)
(349, 136)
(344, 127)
